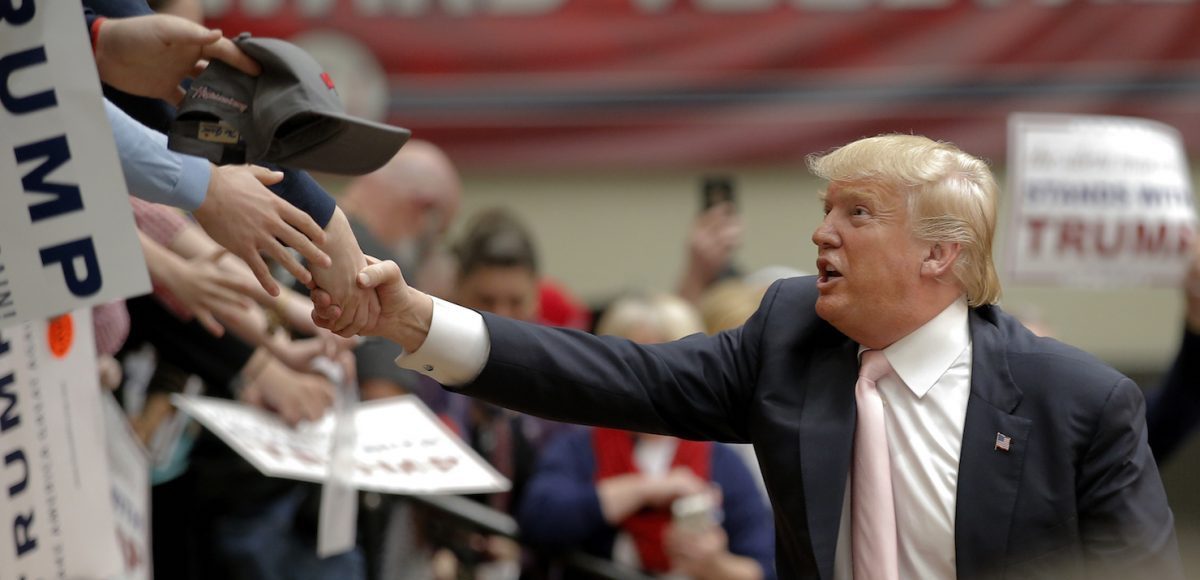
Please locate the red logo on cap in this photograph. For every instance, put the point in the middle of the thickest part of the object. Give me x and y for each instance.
(328, 81)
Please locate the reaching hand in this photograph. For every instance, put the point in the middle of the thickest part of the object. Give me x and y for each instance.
(405, 312)
(293, 396)
(150, 55)
(299, 354)
(240, 213)
(715, 236)
(359, 307)
(208, 292)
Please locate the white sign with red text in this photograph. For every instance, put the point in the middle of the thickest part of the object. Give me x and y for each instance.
(400, 446)
(1098, 202)
(129, 469)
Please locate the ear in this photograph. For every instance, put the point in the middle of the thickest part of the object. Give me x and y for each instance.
(939, 259)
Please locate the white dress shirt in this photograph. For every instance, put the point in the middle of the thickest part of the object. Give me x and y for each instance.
(925, 406)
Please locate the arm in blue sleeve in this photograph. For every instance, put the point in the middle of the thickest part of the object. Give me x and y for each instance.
(119, 8)
(1173, 410)
(560, 507)
(153, 172)
(301, 190)
(748, 522)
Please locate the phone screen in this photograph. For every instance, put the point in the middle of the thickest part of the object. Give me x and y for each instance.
(716, 189)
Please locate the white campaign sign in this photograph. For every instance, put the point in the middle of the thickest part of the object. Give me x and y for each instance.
(129, 468)
(56, 516)
(400, 446)
(1097, 202)
(67, 236)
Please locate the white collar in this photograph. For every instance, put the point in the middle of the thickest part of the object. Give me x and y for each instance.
(922, 357)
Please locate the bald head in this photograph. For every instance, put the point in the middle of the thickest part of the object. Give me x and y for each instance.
(414, 197)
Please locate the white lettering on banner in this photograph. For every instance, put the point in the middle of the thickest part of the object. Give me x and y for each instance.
(416, 8)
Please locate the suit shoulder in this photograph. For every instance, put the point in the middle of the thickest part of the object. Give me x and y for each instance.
(1045, 366)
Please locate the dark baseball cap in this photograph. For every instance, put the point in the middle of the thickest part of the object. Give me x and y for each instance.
(290, 115)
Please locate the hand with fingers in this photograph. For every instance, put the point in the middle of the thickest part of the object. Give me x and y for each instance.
(298, 354)
(293, 396)
(198, 284)
(405, 313)
(245, 217)
(149, 56)
(359, 308)
(714, 238)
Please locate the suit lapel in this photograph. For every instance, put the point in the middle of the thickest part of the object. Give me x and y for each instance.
(826, 443)
(988, 476)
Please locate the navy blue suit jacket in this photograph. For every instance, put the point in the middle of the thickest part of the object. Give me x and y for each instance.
(1078, 493)
(1174, 408)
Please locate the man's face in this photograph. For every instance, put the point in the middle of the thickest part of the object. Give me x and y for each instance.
(509, 291)
(868, 263)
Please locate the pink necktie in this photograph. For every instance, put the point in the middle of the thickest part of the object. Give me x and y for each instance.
(872, 508)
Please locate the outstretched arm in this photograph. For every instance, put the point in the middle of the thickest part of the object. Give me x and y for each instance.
(696, 388)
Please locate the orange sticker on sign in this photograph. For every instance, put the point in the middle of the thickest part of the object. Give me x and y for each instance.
(61, 335)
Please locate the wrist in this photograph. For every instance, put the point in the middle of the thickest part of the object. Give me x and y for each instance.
(413, 328)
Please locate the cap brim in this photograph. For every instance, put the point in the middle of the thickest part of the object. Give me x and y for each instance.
(358, 148)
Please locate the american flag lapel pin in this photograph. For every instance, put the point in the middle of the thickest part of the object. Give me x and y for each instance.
(1003, 442)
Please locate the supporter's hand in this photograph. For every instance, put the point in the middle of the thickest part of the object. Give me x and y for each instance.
(294, 396)
(679, 482)
(1191, 290)
(299, 354)
(715, 236)
(358, 307)
(703, 554)
(405, 312)
(695, 553)
(208, 292)
(150, 55)
(110, 372)
(624, 495)
(245, 217)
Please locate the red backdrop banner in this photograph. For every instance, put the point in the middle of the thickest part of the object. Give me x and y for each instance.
(674, 83)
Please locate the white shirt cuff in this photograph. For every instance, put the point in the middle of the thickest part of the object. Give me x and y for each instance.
(456, 349)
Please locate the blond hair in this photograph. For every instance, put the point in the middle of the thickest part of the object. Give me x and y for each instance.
(952, 197)
(729, 304)
(667, 316)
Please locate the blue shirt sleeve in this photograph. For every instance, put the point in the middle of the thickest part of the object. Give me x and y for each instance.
(560, 507)
(153, 172)
(748, 521)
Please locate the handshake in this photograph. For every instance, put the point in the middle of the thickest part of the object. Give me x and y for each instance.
(382, 304)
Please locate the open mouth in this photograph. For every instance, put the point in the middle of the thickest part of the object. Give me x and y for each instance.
(827, 271)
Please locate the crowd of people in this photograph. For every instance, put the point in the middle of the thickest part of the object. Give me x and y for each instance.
(660, 377)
